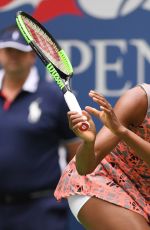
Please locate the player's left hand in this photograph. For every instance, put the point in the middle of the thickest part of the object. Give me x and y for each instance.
(106, 113)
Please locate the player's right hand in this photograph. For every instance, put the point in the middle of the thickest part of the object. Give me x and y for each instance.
(75, 120)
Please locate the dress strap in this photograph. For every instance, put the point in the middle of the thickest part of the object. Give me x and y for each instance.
(146, 88)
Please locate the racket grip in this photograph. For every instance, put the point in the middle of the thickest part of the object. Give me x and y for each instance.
(73, 105)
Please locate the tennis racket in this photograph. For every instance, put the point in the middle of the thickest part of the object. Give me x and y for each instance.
(53, 57)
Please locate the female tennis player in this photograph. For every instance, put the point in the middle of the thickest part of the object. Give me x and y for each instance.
(107, 184)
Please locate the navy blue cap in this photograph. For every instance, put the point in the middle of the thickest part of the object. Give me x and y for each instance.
(12, 38)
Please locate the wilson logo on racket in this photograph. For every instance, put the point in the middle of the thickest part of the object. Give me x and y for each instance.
(55, 75)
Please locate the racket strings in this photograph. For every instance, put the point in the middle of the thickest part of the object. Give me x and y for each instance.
(44, 43)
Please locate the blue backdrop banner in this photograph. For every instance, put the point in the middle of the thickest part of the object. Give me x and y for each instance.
(108, 42)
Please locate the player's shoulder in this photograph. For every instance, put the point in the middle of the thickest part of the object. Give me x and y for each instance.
(137, 93)
(133, 104)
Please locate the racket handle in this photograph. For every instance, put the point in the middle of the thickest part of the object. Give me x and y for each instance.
(73, 105)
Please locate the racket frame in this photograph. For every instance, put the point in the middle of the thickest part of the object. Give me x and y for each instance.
(62, 79)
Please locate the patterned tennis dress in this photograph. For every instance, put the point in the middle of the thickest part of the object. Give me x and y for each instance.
(121, 178)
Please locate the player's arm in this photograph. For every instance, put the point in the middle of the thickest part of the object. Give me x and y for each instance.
(130, 110)
(140, 146)
(71, 147)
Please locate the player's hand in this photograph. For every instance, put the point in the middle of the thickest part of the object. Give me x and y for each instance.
(75, 120)
(106, 113)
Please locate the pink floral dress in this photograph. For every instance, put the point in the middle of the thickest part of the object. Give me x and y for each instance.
(121, 178)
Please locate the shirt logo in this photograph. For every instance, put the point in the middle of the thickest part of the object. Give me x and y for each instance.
(34, 111)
